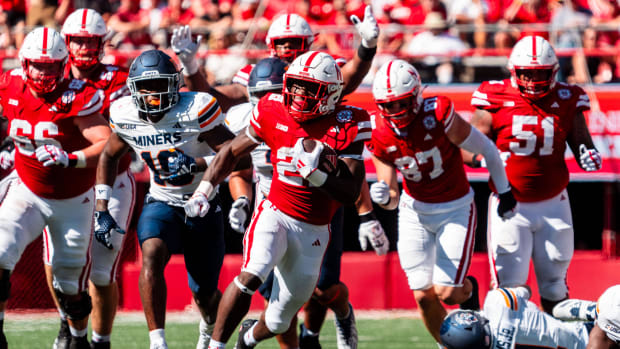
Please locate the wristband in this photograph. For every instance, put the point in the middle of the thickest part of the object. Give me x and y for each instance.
(206, 188)
(367, 217)
(475, 161)
(103, 192)
(317, 178)
(80, 159)
(365, 53)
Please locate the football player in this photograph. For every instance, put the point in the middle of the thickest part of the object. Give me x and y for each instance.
(510, 320)
(288, 37)
(531, 117)
(56, 125)
(437, 216)
(174, 134)
(266, 77)
(289, 231)
(84, 32)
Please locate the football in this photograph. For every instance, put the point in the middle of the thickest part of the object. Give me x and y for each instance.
(328, 160)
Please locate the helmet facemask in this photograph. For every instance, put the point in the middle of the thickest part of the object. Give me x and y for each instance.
(306, 98)
(86, 50)
(534, 82)
(400, 110)
(154, 95)
(42, 75)
(289, 47)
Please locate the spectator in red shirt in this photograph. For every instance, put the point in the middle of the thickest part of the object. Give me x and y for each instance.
(131, 23)
(521, 12)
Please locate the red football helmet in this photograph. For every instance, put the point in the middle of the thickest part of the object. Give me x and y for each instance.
(45, 48)
(290, 27)
(533, 58)
(312, 86)
(89, 27)
(397, 90)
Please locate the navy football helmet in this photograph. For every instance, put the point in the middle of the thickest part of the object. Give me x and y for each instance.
(154, 82)
(266, 76)
(466, 329)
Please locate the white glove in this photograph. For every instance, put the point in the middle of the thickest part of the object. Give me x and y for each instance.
(238, 215)
(380, 193)
(589, 159)
(185, 48)
(307, 163)
(7, 159)
(197, 205)
(368, 29)
(50, 154)
(373, 231)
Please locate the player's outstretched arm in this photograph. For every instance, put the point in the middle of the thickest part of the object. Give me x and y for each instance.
(580, 142)
(354, 71)
(385, 191)
(107, 168)
(481, 120)
(94, 129)
(599, 340)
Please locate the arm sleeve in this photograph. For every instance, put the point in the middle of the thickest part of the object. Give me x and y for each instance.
(476, 142)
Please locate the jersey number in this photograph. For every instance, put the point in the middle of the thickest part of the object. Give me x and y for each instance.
(28, 141)
(528, 138)
(159, 167)
(409, 166)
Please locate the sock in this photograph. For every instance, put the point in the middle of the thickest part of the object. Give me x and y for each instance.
(1, 316)
(98, 338)
(248, 338)
(62, 314)
(78, 333)
(346, 316)
(307, 332)
(440, 346)
(157, 335)
(213, 344)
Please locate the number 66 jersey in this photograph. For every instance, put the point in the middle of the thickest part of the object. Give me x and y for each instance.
(178, 130)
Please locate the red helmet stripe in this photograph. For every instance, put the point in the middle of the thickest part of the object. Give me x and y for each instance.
(288, 20)
(84, 19)
(534, 48)
(389, 69)
(44, 41)
(309, 60)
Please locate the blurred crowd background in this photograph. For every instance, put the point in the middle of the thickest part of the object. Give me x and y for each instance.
(447, 40)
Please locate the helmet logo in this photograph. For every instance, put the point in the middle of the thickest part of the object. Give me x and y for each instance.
(465, 318)
(150, 73)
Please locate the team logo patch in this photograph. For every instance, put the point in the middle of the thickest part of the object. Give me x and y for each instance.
(76, 84)
(612, 328)
(465, 319)
(67, 97)
(564, 93)
(344, 116)
(429, 122)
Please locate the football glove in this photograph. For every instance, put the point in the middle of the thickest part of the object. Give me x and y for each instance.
(239, 213)
(197, 205)
(50, 154)
(185, 48)
(380, 193)
(507, 207)
(7, 159)
(589, 159)
(180, 164)
(368, 28)
(307, 163)
(373, 231)
(104, 224)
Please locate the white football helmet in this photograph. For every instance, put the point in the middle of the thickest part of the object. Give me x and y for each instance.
(397, 90)
(43, 45)
(533, 55)
(290, 26)
(318, 74)
(88, 24)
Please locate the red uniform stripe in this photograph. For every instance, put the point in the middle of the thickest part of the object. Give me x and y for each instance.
(249, 235)
(310, 59)
(468, 247)
(46, 243)
(84, 19)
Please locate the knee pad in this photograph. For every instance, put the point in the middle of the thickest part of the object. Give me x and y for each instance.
(419, 280)
(553, 290)
(100, 278)
(75, 309)
(278, 326)
(5, 285)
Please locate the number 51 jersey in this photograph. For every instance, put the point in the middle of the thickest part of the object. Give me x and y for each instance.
(178, 130)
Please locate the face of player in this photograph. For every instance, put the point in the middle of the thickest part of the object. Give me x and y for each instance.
(303, 94)
(153, 92)
(287, 49)
(534, 81)
(84, 51)
(43, 76)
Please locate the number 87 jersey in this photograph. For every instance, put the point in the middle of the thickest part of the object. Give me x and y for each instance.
(534, 132)
(178, 130)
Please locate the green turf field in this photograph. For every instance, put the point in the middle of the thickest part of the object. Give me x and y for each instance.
(376, 330)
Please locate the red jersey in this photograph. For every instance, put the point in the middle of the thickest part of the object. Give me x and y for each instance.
(48, 120)
(534, 132)
(111, 80)
(289, 192)
(431, 165)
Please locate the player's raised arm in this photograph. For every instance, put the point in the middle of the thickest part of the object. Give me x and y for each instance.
(354, 71)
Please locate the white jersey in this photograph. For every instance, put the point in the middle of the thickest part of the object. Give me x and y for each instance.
(608, 313)
(178, 130)
(237, 120)
(517, 322)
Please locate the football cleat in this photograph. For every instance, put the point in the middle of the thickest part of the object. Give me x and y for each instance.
(473, 303)
(307, 341)
(246, 325)
(99, 345)
(346, 331)
(63, 340)
(205, 331)
(79, 343)
(575, 309)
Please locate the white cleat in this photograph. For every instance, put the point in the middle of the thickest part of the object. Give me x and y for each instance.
(204, 334)
(346, 332)
(575, 309)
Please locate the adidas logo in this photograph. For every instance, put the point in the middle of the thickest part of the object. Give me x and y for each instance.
(316, 243)
(86, 200)
(177, 125)
(428, 137)
(562, 198)
(555, 105)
